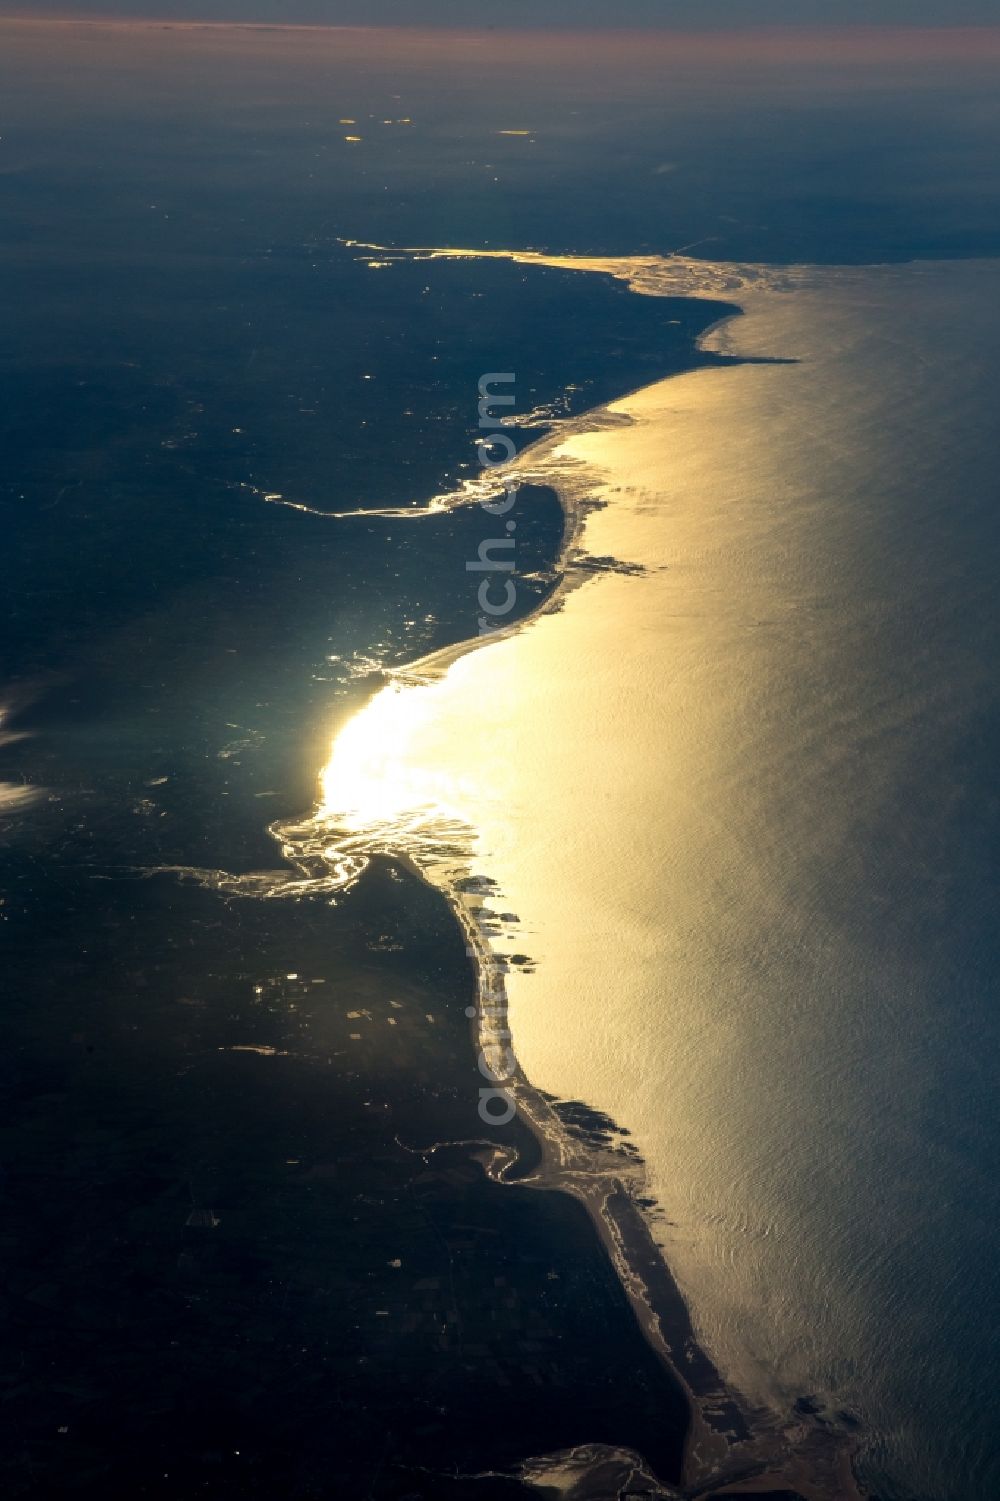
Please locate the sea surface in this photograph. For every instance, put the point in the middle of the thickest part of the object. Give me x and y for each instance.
(739, 792)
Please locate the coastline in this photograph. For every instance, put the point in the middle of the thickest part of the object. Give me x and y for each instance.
(793, 1440)
(730, 1443)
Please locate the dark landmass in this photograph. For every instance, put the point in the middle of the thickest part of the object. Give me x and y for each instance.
(234, 1262)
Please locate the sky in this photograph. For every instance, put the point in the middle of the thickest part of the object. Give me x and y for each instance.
(686, 14)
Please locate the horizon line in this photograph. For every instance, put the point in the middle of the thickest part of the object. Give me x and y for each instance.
(777, 29)
(923, 49)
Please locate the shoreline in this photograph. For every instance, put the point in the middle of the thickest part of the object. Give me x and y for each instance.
(729, 1443)
(610, 1191)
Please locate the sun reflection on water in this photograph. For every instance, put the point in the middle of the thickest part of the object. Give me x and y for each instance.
(383, 770)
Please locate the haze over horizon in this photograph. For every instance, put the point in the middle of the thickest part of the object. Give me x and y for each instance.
(689, 15)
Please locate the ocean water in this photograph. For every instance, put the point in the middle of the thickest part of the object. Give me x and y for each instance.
(741, 816)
